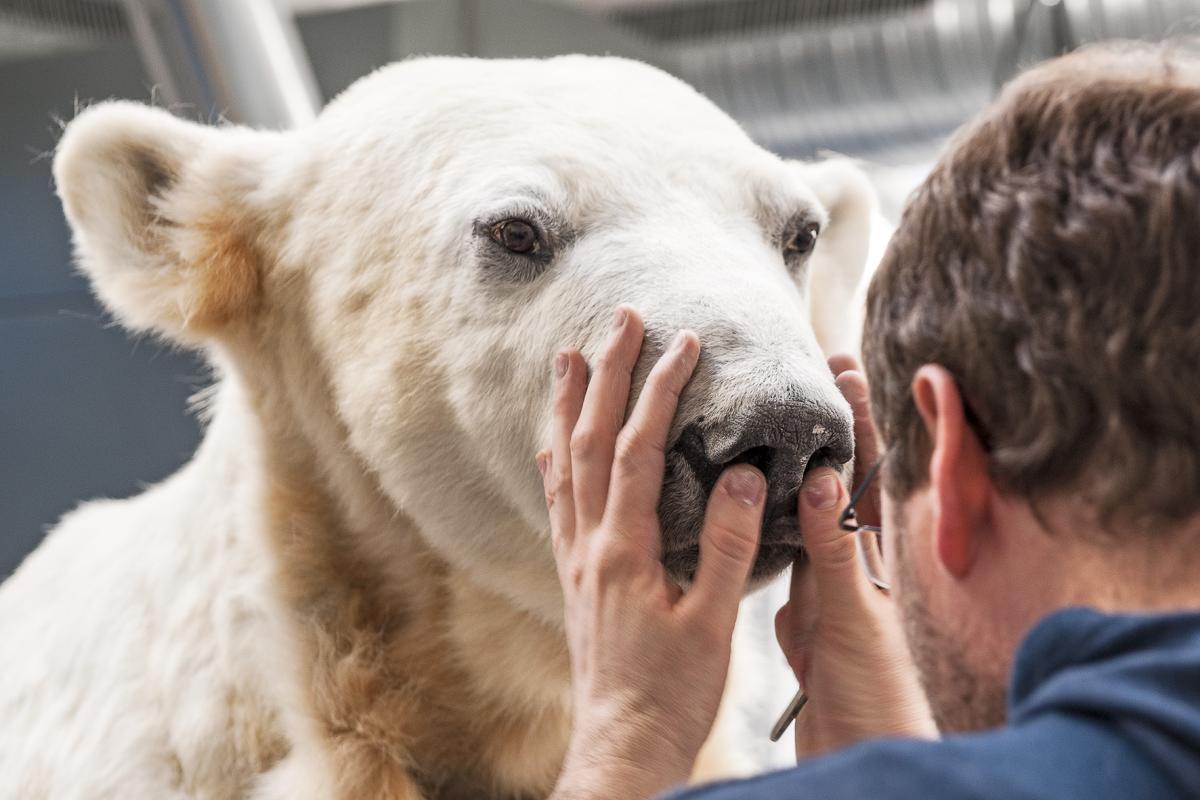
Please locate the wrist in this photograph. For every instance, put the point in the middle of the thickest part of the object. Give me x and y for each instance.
(842, 714)
(623, 759)
(606, 779)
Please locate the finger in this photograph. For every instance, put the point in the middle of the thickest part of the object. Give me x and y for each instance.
(842, 362)
(544, 461)
(570, 383)
(595, 435)
(641, 447)
(797, 618)
(783, 626)
(728, 545)
(832, 556)
(866, 441)
(853, 386)
(788, 634)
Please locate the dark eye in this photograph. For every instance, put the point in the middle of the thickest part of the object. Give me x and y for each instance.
(516, 236)
(802, 240)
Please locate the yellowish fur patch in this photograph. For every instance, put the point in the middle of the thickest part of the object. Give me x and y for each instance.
(433, 688)
(228, 278)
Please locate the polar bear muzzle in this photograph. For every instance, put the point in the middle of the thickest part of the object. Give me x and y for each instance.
(784, 432)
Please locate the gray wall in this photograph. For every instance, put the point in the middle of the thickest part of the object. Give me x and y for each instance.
(84, 411)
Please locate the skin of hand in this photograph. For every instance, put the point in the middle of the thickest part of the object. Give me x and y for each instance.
(648, 660)
(840, 634)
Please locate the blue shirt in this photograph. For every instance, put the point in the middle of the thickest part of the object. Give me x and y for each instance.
(1100, 706)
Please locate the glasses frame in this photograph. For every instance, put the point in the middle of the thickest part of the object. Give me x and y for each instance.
(866, 536)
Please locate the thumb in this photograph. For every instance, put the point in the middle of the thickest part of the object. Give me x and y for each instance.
(832, 556)
(728, 543)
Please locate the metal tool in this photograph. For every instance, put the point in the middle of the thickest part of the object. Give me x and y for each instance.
(789, 715)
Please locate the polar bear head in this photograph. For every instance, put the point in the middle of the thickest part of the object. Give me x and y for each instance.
(391, 284)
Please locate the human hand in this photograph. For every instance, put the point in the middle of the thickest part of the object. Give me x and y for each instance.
(841, 634)
(648, 661)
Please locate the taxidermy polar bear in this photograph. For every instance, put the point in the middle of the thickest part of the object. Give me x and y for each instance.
(349, 591)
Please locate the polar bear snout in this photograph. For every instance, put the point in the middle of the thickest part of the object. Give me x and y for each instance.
(780, 441)
(783, 438)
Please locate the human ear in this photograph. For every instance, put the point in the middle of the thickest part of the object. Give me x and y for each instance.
(958, 470)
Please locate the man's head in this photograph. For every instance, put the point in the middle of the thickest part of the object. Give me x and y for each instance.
(1033, 347)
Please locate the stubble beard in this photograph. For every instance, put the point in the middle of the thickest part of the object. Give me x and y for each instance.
(961, 698)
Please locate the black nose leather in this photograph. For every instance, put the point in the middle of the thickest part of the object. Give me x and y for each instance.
(760, 457)
(781, 440)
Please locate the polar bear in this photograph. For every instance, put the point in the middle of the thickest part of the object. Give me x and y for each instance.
(349, 591)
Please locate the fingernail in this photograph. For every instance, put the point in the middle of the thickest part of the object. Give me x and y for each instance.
(542, 458)
(746, 485)
(560, 364)
(821, 491)
(678, 342)
(618, 319)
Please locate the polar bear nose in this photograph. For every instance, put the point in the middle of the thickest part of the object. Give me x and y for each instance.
(783, 440)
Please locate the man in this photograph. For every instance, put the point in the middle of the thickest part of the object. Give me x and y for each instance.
(1033, 348)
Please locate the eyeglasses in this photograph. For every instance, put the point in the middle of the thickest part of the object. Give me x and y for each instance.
(868, 540)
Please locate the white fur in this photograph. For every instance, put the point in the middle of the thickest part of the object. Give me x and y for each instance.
(147, 651)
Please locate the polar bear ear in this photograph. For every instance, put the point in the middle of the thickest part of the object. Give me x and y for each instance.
(161, 224)
(839, 261)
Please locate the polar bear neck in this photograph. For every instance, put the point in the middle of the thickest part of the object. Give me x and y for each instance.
(402, 669)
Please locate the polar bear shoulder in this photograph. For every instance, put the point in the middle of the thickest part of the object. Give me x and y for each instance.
(120, 629)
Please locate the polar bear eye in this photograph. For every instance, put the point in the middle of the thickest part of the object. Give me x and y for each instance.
(517, 236)
(801, 241)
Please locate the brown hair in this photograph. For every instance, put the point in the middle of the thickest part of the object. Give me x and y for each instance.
(1051, 262)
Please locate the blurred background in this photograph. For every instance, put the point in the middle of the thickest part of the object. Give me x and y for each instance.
(85, 411)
